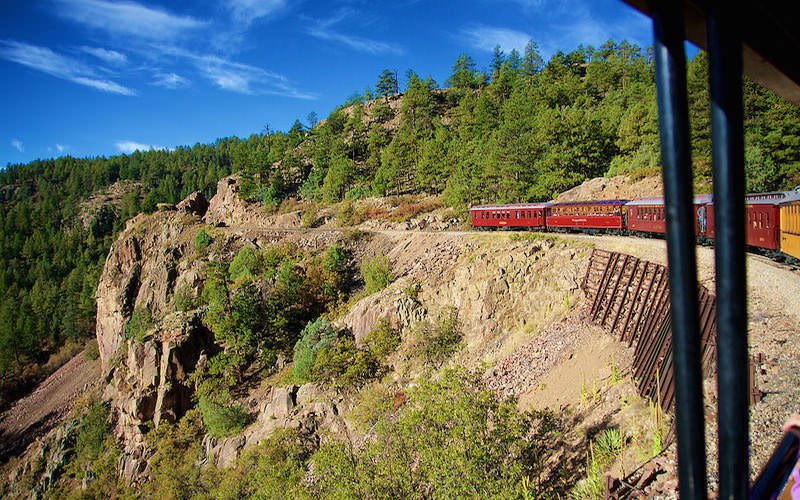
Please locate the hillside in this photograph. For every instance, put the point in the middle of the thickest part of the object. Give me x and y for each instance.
(212, 352)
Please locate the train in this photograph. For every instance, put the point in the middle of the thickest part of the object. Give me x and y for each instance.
(772, 219)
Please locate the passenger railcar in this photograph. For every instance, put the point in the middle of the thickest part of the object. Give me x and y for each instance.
(647, 215)
(521, 215)
(605, 214)
(762, 223)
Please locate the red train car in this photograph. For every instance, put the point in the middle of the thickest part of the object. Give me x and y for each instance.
(648, 215)
(517, 215)
(762, 223)
(605, 214)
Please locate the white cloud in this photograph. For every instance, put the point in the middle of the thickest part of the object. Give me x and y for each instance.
(129, 147)
(106, 55)
(128, 18)
(60, 148)
(170, 81)
(246, 79)
(238, 77)
(17, 144)
(323, 29)
(487, 37)
(103, 85)
(60, 66)
(244, 12)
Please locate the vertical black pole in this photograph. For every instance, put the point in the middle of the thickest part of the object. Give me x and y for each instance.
(725, 58)
(673, 121)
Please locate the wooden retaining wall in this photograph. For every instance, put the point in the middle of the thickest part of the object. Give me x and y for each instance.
(630, 297)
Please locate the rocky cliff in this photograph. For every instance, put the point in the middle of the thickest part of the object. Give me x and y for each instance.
(501, 291)
(147, 372)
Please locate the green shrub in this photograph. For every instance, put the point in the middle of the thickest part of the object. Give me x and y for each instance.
(413, 289)
(439, 340)
(92, 351)
(336, 259)
(273, 469)
(452, 439)
(92, 432)
(377, 273)
(309, 217)
(185, 299)
(245, 264)
(202, 239)
(316, 335)
(343, 365)
(382, 340)
(602, 453)
(608, 446)
(95, 455)
(356, 192)
(140, 322)
(345, 215)
(222, 420)
(177, 449)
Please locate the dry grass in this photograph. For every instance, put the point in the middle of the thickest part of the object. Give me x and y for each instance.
(408, 208)
(291, 205)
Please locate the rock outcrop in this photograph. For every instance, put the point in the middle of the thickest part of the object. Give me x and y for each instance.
(147, 373)
(227, 208)
(306, 408)
(151, 384)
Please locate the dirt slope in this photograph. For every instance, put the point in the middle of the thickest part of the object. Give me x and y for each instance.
(37, 413)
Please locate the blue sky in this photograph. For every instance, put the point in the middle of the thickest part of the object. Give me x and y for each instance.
(103, 77)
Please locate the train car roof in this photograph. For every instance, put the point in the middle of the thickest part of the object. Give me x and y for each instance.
(773, 195)
(700, 199)
(588, 203)
(510, 206)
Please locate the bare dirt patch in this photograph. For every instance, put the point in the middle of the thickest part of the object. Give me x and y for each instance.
(37, 413)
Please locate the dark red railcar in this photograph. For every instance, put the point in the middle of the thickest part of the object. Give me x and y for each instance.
(605, 214)
(647, 215)
(762, 223)
(515, 215)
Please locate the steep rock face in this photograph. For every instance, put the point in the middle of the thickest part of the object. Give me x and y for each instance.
(148, 375)
(152, 383)
(140, 272)
(195, 203)
(498, 289)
